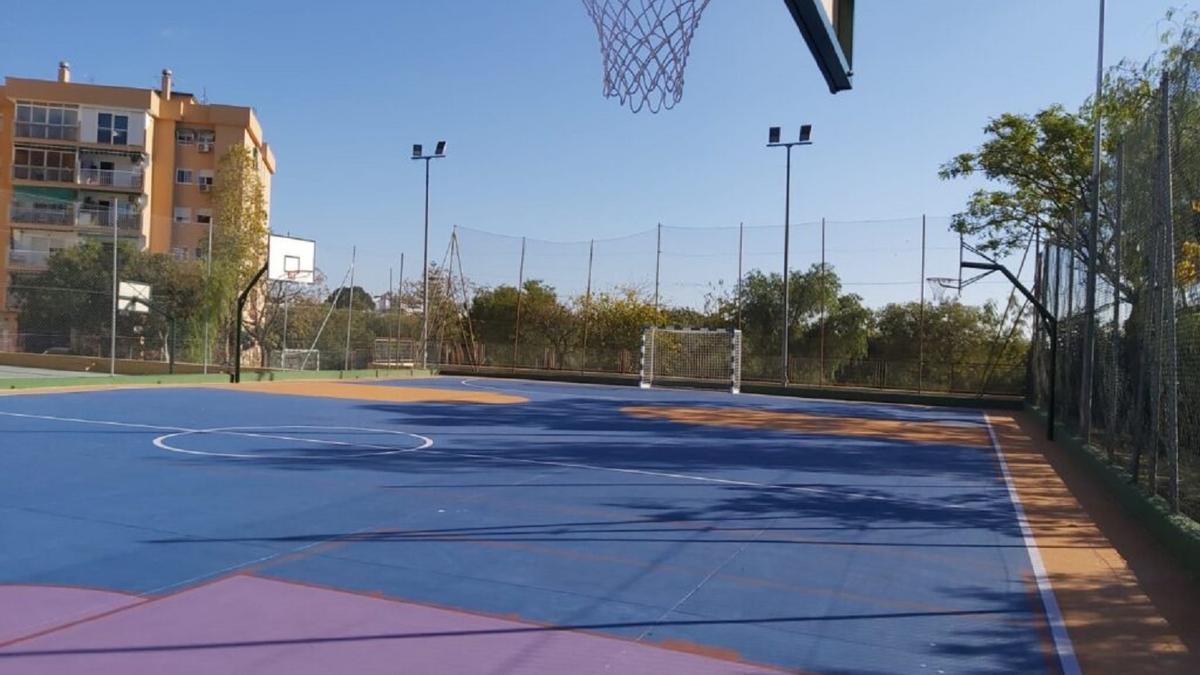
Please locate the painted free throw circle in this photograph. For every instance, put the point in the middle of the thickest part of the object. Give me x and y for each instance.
(279, 433)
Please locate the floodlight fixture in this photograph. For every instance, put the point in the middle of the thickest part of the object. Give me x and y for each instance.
(773, 135)
(440, 149)
(416, 151)
(805, 133)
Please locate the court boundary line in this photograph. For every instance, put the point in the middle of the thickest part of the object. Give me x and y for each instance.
(1063, 648)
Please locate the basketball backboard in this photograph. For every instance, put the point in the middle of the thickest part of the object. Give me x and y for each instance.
(133, 297)
(291, 259)
(828, 28)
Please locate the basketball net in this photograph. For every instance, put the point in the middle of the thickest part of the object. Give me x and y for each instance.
(645, 48)
(939, 285)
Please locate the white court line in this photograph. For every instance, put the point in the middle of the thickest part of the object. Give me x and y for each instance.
(160, 442)
(1058, 627)
(427, 443)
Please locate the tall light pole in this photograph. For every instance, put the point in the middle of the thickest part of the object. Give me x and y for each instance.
(774, 142)
(207, 281)
(1089, 330)
(112, 346)
(438, 153)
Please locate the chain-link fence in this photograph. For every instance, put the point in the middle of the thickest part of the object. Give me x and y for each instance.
(1144, 402)
(860, 311)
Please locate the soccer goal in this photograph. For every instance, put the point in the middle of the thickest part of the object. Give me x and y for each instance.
(296, 359)
(695, 356)
(392, 352)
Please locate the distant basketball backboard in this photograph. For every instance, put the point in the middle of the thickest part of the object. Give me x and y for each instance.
(133, 297)
(291, 259)
(828, 28)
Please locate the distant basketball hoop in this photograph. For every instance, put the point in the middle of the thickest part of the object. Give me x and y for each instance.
(645, 48)
(939, 285)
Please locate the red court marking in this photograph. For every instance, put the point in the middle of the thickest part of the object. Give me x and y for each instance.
(262, 626)
(25, 610)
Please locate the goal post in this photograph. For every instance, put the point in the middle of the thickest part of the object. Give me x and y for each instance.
(296, 359)
(394, 353)
(695, 356)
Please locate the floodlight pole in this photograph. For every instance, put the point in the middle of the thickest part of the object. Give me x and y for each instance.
(1089, 328)
(787, 226)
(207, 281)
(112, 356)
(425, 260)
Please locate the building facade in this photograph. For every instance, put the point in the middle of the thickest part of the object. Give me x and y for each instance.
(77, 160)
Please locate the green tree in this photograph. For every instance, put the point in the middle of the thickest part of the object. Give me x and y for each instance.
(72, 299)
(341, 298)
(239, 236)
(959, 340)
(814, 293)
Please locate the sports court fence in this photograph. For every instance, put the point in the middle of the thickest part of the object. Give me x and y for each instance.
(1143, 405)
(862, 310)
(862, 313)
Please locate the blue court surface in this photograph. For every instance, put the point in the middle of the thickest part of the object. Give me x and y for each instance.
(792, 549)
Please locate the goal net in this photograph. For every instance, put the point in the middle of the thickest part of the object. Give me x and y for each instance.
(395, 352)
(691, 356)
(296, 359)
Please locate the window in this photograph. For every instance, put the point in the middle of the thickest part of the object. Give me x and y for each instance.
(179, 253)
(204, 216)
(49, 121)
(199, 252)
(183, 176)
(183, 214)
(205, 180)
(113, 129)
(185, 136)
(44, 164)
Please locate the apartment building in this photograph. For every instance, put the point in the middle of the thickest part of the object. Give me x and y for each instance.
(77, 159)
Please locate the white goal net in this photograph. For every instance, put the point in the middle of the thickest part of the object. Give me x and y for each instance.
(296, 359)
(692, 356)
(395, 352)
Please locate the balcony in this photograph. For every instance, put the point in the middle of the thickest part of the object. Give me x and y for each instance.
(125, 180)
(29, 260)
(45, 174)
(75, 215)
(102, 218)
(42, 215)
(47, 132)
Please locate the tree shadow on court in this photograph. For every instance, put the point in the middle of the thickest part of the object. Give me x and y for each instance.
(584, 431)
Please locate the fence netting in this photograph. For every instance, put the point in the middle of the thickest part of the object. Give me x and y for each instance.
(861, 310)
(1143, 406)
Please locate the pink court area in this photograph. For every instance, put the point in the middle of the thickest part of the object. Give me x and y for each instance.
(246, 624)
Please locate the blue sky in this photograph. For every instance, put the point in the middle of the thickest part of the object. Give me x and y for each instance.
(343, 89)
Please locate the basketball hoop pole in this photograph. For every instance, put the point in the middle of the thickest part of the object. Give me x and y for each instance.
(1048, 318)
(237, 320)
